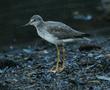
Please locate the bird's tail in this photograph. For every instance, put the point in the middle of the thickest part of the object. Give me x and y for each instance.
(82, 35)
(85, 38)
(85, 35)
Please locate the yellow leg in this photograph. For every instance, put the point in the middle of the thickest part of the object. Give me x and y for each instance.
(58, 68)
(64, 55)
(58, 57)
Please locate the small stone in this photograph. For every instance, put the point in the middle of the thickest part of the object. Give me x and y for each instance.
(15, 80)
(1, 71)
(99, 56)
(90, 55)
(11, 47)
(107, 56)
(7, 63)
(45, 51)
(29, 51)
(29, 66)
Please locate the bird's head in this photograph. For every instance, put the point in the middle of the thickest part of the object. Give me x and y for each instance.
(35, 20)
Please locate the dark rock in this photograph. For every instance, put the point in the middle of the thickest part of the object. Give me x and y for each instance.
(3, 86)
(89, 47)
(7, 63)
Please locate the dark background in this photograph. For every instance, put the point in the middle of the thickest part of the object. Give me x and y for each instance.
(15, 13)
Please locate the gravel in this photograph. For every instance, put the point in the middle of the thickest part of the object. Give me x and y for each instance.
(28, 68)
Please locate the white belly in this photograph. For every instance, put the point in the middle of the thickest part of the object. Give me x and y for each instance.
(48, 37)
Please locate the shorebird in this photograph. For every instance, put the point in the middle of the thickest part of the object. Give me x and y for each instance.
(56, 33)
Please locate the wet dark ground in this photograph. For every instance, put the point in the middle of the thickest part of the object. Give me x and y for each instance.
(25, 67)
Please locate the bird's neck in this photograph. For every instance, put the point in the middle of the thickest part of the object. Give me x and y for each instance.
(39, 25)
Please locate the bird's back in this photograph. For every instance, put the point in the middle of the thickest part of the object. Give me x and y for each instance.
(62, 31)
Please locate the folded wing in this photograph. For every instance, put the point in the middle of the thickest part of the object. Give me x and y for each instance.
(62, 31)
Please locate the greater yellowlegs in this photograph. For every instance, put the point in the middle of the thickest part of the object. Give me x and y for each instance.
(56, 33)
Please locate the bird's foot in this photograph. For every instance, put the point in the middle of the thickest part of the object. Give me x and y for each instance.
(56, 69)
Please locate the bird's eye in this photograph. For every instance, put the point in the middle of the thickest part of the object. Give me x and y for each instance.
(33, 20)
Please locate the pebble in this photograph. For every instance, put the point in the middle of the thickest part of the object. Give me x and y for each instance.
(99, 56)
(1, 71)
(107, 56)
(90, 55)
(29, 51)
